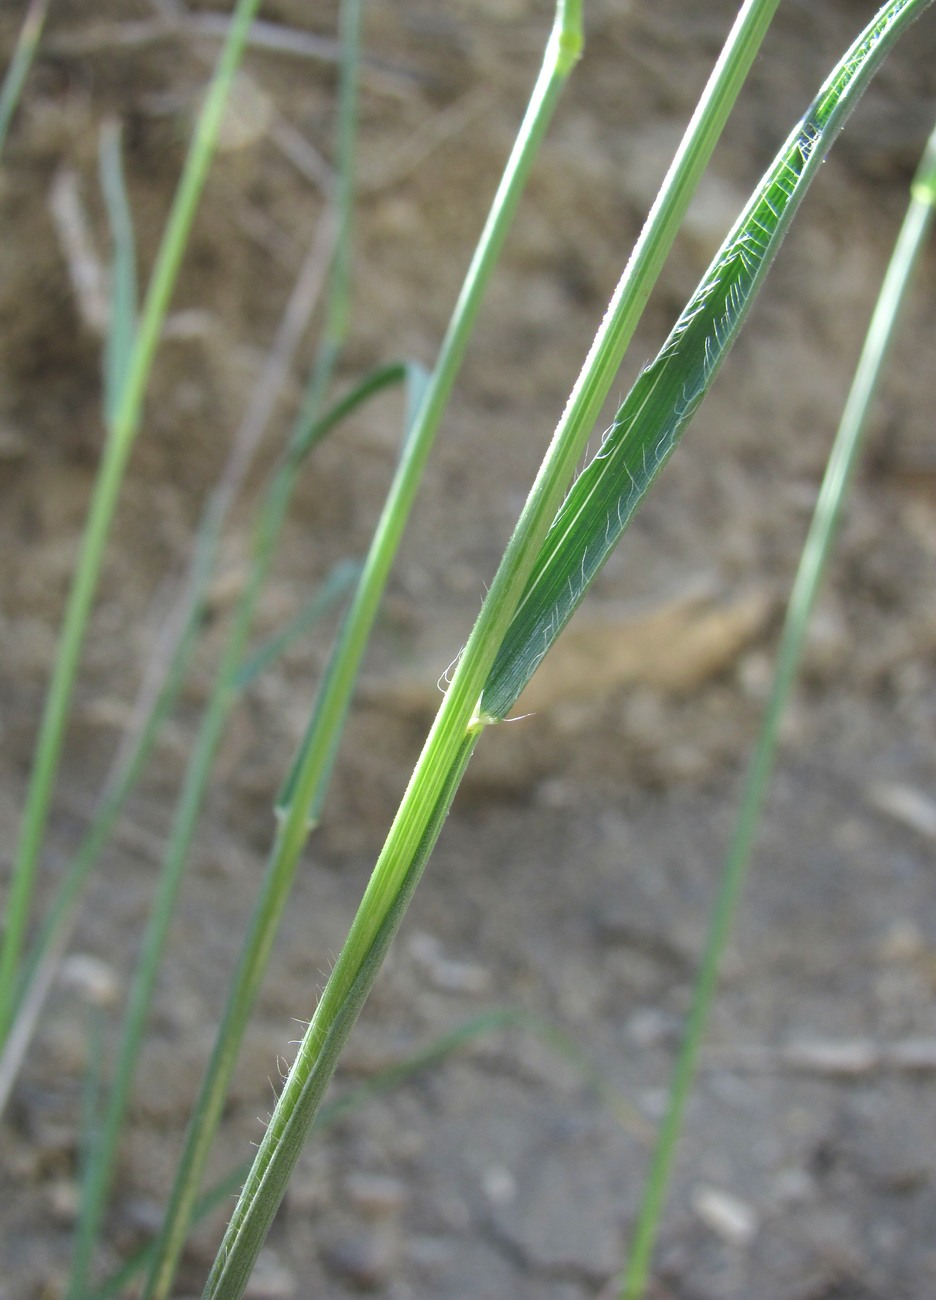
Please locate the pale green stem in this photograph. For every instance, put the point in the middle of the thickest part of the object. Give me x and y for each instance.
(839, 471)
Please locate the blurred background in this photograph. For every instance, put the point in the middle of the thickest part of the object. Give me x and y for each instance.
(575, 876)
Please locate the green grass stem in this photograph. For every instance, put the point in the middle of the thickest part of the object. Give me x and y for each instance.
(457, 728)
(119, 442)
(812, 566)
(308, 430)
(336, 584)
(304, 793)
(194, 786)
(24, 51)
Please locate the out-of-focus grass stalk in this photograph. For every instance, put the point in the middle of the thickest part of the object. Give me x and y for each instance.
(195, 783)
(27, 43)
(307, 432)
(456, 729)
(121, 435)
(812, 566)
(49, 945)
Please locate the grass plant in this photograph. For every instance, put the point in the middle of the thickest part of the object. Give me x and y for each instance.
(563, 537)
(547, 568)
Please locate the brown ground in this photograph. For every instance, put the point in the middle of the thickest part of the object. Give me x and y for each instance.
(575, 876)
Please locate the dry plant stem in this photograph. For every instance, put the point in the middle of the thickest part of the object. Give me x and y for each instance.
(120, 439)
(818, 546)
(27, 43)
(458, 726)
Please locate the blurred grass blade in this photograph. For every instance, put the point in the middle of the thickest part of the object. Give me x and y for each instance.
(172, 649)
(410, 373)
(117, 448)
(121, 328)
(215, 1196)
(185, 818)
(666, 395)
(50, 942)
(336, 584)
(812, 566)
(27, 43)
(280, 870)
(120, 439)
(344, 661)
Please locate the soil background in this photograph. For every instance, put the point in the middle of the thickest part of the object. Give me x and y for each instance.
(575, 877)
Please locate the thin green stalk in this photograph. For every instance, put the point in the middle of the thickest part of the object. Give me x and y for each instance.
(307, 432)
(167, 668)
(27, 43)
(457, 726)
(120, 438)
(195, 783)
(341, 578)
(812, 566)
(245, 983)
(197, 776)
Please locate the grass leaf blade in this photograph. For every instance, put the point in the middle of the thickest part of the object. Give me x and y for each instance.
(664, 398)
